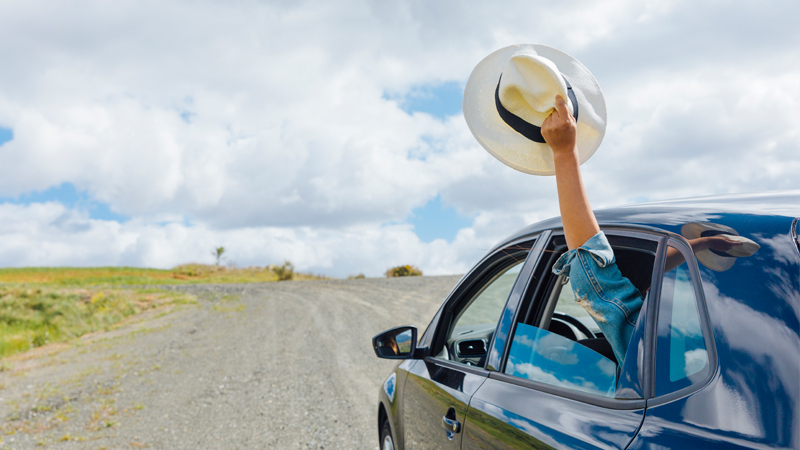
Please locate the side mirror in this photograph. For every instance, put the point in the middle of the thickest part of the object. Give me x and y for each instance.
(397, 343)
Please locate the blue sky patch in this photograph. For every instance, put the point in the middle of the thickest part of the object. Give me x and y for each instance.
(436, 221)
(439, 100)
(6, 134)
(187, 116)
(67, 195)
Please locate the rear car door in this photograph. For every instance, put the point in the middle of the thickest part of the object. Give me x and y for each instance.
(556, 385)
(438, 388)
(726, 364)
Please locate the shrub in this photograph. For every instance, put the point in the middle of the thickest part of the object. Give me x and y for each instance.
(186, 271)
(404, 271)
(356, 277)
(284, 272)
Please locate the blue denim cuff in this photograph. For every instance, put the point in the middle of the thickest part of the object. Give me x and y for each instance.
(597, 247)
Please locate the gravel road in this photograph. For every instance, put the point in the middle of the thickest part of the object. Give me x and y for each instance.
(285, 365)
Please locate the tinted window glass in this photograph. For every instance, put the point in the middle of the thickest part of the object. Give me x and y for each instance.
(489, 303)
(473, 326)
(681, 353)
(550, 358)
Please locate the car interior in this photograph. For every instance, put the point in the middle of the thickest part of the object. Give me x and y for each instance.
(566, 318)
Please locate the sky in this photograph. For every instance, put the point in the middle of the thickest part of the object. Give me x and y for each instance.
(330, 133)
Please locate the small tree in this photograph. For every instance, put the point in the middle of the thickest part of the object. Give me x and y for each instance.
(217, 253)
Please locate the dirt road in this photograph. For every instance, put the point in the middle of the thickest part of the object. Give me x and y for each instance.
(261, 366)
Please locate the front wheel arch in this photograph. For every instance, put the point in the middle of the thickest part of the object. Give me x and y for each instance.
(386, 439)
(382, 417)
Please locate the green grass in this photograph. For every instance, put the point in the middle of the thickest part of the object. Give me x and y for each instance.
(42, 305)
(129, 276)
(33, 316)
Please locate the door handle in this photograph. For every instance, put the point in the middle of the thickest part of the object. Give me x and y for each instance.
(451, 425)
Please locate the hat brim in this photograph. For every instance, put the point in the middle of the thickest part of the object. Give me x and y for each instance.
(713, 261)
(509, 146)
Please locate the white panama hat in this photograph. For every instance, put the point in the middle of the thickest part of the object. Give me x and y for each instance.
(511, 92)
(715, 260)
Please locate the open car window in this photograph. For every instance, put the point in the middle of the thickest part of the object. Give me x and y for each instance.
(558, 343)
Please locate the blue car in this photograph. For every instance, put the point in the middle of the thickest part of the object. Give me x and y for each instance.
(511, 360)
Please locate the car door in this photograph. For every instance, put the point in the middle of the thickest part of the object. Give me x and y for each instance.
(550, 389)
(438, 387)
(726, 349)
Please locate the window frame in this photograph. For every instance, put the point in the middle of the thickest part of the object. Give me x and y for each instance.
(472, 284)
(705, 325)
(530, 305)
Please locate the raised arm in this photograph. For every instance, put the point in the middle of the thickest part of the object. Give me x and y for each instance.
(559, 131)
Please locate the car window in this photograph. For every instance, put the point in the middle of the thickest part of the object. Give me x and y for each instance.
(559, 343)
(566, 305)
(488, 304)
(475, 320)
(550, 358)
(681, 353)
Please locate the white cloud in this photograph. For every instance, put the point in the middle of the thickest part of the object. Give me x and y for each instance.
(265, 123)
(60, 236)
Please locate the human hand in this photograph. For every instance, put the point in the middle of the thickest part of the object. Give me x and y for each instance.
(721, 243)
(559, 129)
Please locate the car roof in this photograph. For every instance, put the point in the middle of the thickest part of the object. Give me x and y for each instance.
(670, 215)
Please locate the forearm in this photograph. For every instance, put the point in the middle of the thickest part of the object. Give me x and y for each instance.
(577, 217)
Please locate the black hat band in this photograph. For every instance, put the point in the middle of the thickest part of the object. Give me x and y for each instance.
(522, 127)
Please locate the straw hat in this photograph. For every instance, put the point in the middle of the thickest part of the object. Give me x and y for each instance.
(715, 260)
(511, 92)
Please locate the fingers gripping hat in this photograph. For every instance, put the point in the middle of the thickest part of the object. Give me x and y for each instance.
(511, 92)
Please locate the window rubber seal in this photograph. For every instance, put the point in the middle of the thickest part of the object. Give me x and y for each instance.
(474, 370)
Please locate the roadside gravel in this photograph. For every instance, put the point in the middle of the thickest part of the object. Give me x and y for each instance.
(285, 365)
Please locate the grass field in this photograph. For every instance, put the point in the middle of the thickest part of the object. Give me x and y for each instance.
(130, 276)
(33, 316)
(43, 305)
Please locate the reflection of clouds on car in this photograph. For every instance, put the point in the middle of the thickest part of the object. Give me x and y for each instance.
(531, 372)
(777, 247)
(712, 362)
(540, 355)
(607, 366)
(695, 360)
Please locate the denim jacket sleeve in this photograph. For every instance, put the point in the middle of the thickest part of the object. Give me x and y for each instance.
(611, 299)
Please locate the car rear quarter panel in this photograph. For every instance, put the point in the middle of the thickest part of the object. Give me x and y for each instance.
(754, 310)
